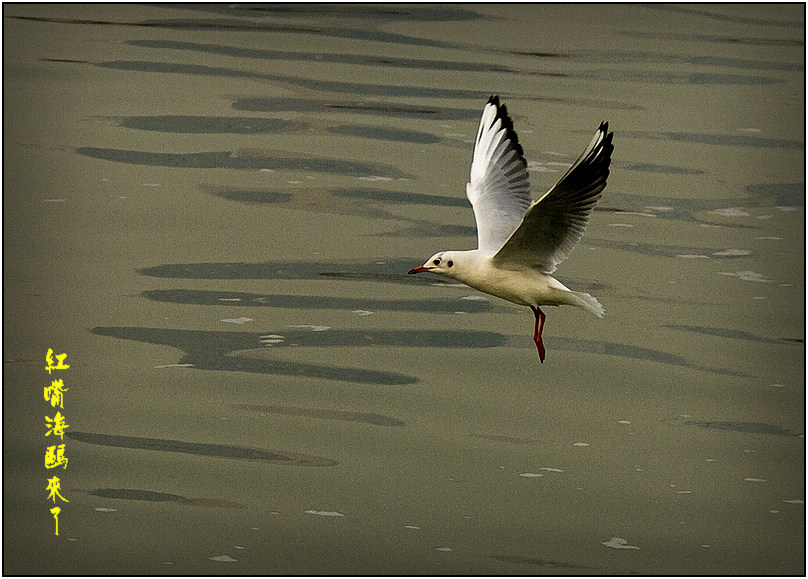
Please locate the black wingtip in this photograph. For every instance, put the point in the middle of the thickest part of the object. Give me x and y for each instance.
(604, 128)
(507, 123)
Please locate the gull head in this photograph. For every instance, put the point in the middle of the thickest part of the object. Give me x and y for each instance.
(444, 263)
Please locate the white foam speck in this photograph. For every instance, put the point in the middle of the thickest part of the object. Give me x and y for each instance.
(376, 178)
(748, 130)
(746, 276)
(618, 543)
(794, 501)
(620, 225)
(580, 444)
(175, 366)
(223, 559)
(238, 547)
(730, 212)
(771, 237)
(361, 312)
(530, 474)
(548, 469)
(411, 527)
(241, 320)
(105, 510)
(751, 479)
(732, 252)
(783, 208)
(266, 170)
(443, 549)
(475, 298)
(325, 513)
(623, 422)
(692, 256)
(311, 327)
(229, 299)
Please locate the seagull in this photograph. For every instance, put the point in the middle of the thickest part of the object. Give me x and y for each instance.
(519, 242)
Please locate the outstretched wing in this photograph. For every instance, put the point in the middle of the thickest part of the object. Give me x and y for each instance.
(498, 187)
(554, 224)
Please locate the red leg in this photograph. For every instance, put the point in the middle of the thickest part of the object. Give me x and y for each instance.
(537, 330)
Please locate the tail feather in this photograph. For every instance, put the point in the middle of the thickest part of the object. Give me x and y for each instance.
(588, 302)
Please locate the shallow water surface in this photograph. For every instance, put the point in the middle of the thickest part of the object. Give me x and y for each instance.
(212, 210)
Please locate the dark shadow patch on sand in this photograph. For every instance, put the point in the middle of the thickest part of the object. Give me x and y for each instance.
(729, 333)
(324, 414)
(384, 134)
(716, 139)
(374, 12)
(256, 352)
(219, 125)
(242, 160)
(735, 41)
(153, 496)
(200, 449)
(535, 561)
(662, 169)
(633, 352)
(499, 438)
(395, 196)
(245, 299)
(778, 194)
(701, 13)
(257, 196)
(216, 125)
(358, 201)
(391, 270)
(325, 86)
(355, 59)
(365, 107)
(745, 427)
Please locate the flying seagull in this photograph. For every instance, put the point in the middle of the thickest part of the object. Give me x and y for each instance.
(519, 242)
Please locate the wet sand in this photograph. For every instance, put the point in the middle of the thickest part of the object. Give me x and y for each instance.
(212, 211)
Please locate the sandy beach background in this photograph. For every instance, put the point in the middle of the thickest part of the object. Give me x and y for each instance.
(212, 209)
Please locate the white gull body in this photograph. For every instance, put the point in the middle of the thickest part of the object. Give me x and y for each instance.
(519, 242)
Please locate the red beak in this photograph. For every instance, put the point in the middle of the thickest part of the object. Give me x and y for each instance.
(419, 269)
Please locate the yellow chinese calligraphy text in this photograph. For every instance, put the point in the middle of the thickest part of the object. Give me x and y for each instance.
(60, 361)
(56, 425)
(54, 456)
(54, 486)
(55, 511)
(55, 393)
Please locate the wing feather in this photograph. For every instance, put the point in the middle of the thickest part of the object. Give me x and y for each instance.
(554, 224)
(498, 186)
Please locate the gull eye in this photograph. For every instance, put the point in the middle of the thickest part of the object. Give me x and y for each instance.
(451, 263)
(436, 262)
